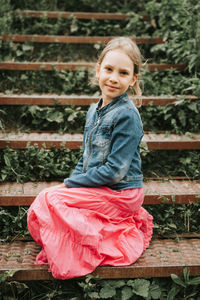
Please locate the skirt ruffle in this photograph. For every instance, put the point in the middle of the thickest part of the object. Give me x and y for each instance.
(82, 228)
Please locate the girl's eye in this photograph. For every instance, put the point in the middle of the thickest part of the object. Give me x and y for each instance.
(108, 69)
(124, 73)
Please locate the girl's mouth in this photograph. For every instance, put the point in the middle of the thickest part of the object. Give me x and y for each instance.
(112, 88)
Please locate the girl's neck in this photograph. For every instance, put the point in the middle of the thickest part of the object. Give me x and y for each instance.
(106, 102)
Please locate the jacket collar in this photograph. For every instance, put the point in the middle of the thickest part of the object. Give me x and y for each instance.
(110, 105)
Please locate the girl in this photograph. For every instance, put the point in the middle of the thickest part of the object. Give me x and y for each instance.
(95, 217)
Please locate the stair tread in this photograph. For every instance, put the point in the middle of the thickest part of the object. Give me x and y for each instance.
(156, 192)
(52, 99)
(73, 39)
(77, 15)
(156, 141)
(50, 66)
(162, 258)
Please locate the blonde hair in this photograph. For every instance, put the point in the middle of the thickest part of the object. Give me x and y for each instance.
(132, 50)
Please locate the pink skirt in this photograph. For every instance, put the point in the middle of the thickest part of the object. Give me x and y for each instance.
(82, 228)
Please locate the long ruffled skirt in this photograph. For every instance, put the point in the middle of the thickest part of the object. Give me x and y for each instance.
(82, 228)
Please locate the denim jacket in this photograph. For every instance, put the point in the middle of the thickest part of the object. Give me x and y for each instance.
(111, 141)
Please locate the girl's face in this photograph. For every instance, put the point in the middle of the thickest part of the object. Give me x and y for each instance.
(115, 74)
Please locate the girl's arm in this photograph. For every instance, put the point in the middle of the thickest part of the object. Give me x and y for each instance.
(125, 140)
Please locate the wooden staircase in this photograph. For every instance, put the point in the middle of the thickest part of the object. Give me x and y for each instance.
(164, 256)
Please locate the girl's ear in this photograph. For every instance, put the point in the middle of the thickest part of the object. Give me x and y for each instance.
(134, 79)
(97, 70)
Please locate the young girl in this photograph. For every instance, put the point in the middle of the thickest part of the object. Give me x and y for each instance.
(95, 217)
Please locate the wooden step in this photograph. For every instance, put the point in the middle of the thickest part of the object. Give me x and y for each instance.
(72, 66)
(156, 192)
(154, 141)
(163, 258)
(77, 15)
(81, 100)
(177, 236)
(35, 38)
(162, 141)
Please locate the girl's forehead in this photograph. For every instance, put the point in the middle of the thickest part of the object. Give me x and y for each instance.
(118, 57)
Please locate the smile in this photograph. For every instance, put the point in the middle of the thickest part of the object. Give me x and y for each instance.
(110, 87)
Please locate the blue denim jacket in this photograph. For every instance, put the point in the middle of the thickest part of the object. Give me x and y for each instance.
(111, 155)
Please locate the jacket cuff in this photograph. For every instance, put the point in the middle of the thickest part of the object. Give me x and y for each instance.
(66, 182)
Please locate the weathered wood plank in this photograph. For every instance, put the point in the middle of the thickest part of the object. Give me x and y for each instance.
(154, 141)
(156, 192)
(72, 66)
(35, 38)
(161, 259)
(77, 15)
(80, 100)
(162, 141)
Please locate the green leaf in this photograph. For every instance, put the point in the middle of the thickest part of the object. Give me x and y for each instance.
(107, 291)
(74, 26)
(19, 52)
(178, 280)
(172, 293)
(5, 275)
(194, 281)
(27, 47)
(116, 283)
(193, 106)
(88, 278)
(126, 293)
(93, 295)
(7, 160)
(155, 291)
(182, 117)
(24, 77)
(55, 116)
(186, 274)
(140, 286)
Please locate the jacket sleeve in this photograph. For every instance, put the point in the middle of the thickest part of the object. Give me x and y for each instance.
(79, 167)
(125, 140)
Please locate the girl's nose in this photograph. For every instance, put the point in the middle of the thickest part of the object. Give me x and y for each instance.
(113, 77)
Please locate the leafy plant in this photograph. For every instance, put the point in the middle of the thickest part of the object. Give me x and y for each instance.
(178, 22)
(96, 288)
(180, 117)
(84, 5)
(5, 16)
(72, 119)
(13, 222)
(47, 52)
(40, 81)
(174, 219)
(36, 290)
(190, 287)
(35, 164)
(178, 163)
(169, 82)
(13, 289)
(74, 26)
(62, 119)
